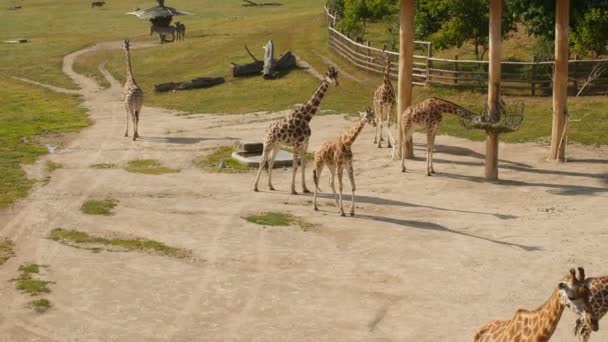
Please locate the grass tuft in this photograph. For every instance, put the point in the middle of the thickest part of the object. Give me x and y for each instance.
(222, 154)
(98, 207)
(84, 240)
(41, 305)
(149, 167)
(6, 250)
(275, 218)
(104, 166)
(52, 166)
(26, 283)
(309, 156)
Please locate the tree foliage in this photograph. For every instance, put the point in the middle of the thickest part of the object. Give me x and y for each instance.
(591, 32)
(357, 13)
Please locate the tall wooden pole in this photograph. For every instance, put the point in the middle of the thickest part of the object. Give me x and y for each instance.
(491, 171)
(406, 64)
(560, 80)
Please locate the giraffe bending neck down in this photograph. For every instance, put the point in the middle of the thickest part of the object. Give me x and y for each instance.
(337, 155)
(293, 131)
(598, 299)
(133, 95)
(539, 325)
(427, 115)
(384, 102)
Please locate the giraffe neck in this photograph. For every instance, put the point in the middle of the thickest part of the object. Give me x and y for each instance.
(352, 134)
(544, 320)
(130, 78)
(313, 103)
(452, 108)
(387, 74)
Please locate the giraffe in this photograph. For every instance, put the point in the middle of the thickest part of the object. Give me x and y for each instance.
(384, 102)
(598, 299)
(539, 325)
(336, 153)
(294, 131)
(133, 95)
(427, 114)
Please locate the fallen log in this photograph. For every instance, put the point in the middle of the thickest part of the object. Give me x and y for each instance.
(269, 67)
(196, 83)
(249, 3)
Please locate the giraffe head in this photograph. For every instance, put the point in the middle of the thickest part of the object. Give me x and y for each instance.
(126, 45)
(331, 76)
(382, 56)
(368, 116)
(575, 295)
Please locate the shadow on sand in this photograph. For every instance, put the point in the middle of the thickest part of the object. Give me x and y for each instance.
(183, 140)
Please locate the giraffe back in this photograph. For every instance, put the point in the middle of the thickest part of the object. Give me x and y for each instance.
(599, 295)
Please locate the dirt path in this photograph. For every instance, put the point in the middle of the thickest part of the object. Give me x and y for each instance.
(425, 259)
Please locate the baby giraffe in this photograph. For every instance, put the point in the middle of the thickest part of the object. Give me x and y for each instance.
(539, 325)
(336, 153)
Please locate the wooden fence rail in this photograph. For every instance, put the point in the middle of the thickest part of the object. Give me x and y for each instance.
(518, 78)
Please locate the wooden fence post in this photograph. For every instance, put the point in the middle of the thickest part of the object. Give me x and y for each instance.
(456, 69)
(533, 77)
(429, 64)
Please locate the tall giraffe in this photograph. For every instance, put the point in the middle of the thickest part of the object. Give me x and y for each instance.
(539, 325)
(294, 131)
(384, 102)
(427, 114)
(133, 95)
(598, 299)
(336, 153)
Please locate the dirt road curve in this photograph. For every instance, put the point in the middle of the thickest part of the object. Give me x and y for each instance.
(425, 259)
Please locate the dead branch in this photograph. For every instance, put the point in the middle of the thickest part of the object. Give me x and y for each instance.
(595, 73)
(249, 3)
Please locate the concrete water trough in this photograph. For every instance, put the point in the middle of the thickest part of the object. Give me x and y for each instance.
(249, 154)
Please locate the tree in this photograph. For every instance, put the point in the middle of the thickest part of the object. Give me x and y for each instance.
(357, 13)
(588, 22)
(337, 6)
(449, 23)
(591, 33)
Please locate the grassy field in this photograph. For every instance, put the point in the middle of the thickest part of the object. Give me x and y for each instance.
(25, 113)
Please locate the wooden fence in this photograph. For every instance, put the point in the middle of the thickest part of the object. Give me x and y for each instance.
(518, 78)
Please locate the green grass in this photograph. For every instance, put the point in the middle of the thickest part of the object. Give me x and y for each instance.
(149, 167)
(104, 166)
(309, 156)
(26, 112)
(53, 166)
(84, 240)
(98, 207)
(41, 305)
(274, 218)
(221, 154)
(26, 282)
(7, 250)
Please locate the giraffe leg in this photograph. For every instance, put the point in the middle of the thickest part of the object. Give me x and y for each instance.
(271, 156)
(296, 156)
(136, 124)
(408, 130)
(380, 139)
(128, 118)
(432, 148)
(263, 159)
(316, 175)
(351, 177)
(332, 184)
(340, 187)
(388, 126)
(303, 162)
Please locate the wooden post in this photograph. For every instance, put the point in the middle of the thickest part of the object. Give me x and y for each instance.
(406, 65)
(560, 80)
(533, 77)
(455, 75)
(491, 169)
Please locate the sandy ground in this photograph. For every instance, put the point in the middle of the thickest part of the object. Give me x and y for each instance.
(425, 259)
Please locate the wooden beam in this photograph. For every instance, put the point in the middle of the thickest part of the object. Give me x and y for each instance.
(406, 64)
(560, 81)
(494, 55)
